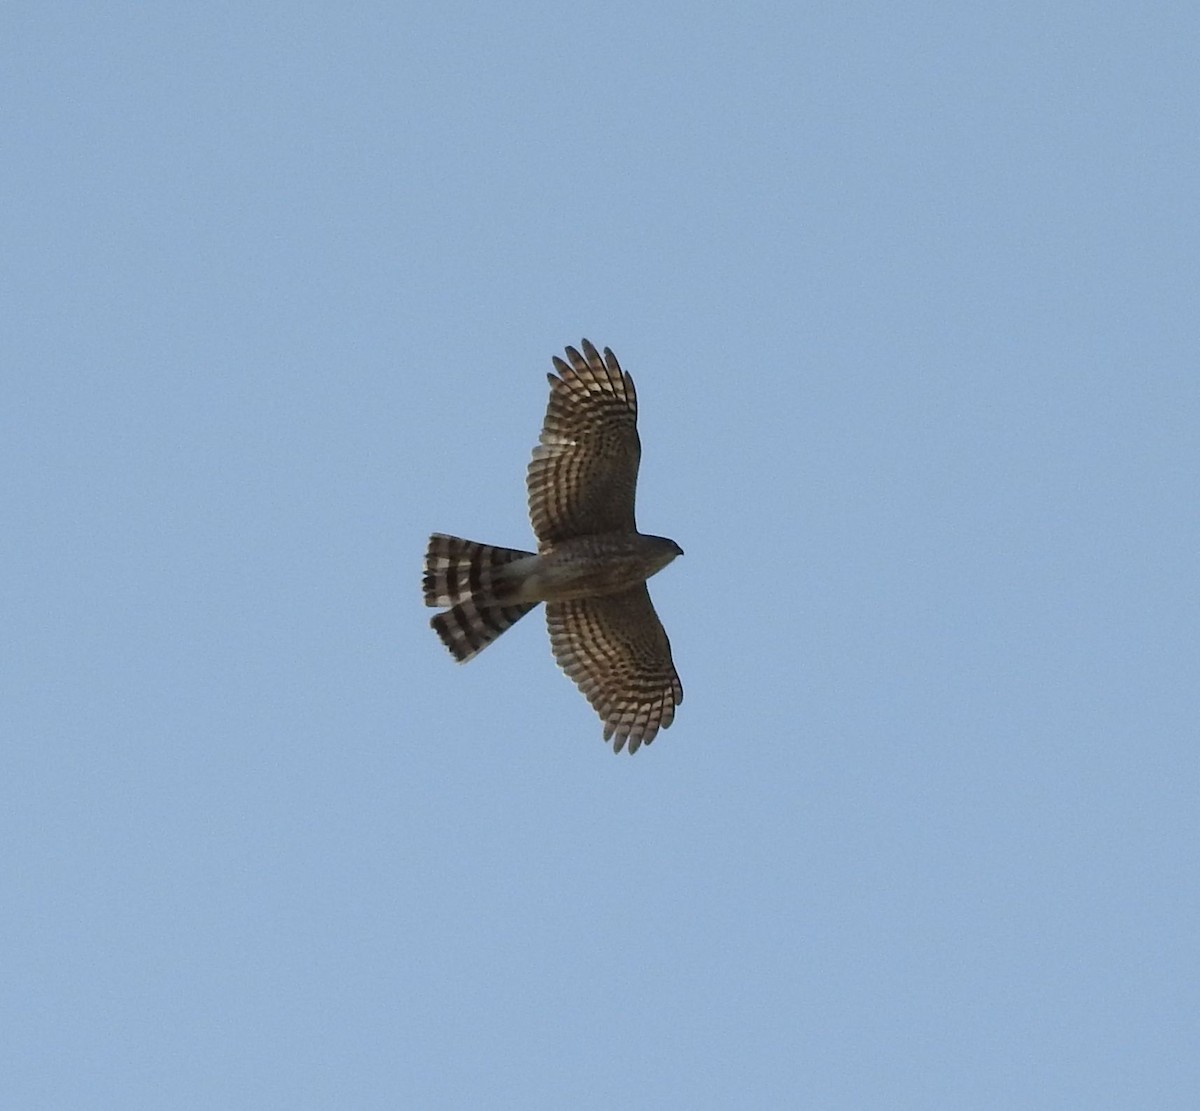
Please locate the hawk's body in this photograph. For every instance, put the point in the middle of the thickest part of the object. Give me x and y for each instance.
(591, 564)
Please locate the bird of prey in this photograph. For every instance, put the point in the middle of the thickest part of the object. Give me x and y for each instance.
(591, 563)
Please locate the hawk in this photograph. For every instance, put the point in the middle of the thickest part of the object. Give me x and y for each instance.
(591, 563)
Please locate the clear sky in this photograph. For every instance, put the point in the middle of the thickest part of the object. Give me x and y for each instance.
(911, 295)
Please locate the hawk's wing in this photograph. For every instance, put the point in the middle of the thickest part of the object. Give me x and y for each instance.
(583, 476)
(616, 650)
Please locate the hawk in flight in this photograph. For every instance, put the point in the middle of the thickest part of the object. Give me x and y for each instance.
(591, 565)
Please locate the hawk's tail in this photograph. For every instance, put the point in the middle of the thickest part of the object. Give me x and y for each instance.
(463, 575)
(467, 629)
(457, 569)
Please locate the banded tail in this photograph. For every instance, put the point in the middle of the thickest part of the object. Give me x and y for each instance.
(468, 577)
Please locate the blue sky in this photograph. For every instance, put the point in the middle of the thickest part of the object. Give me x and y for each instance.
(910, 293)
